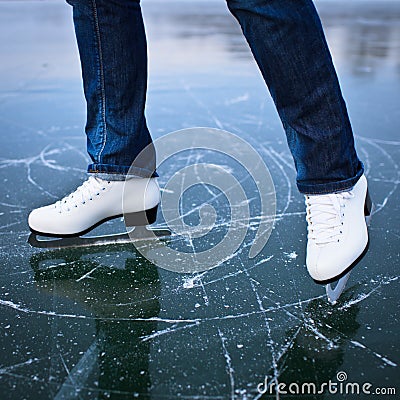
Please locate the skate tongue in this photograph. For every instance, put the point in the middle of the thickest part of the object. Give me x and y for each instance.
(91, 187)
(324, 216)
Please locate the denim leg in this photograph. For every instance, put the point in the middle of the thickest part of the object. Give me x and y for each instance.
(113, 52)
(288, 43)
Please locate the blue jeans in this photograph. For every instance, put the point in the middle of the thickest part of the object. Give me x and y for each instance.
(288, 44)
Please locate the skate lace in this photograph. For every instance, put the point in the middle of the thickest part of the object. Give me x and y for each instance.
(325, 215)
(84, 193)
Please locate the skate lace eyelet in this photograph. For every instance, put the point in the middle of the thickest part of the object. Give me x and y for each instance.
(97, 194)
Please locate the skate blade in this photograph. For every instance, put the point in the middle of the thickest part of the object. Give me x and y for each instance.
(333, 293)
(136, 234)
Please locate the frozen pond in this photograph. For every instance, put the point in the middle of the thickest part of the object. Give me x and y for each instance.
(103, 322)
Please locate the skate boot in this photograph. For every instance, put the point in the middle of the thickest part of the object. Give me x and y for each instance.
(337, 233)
(95, 202)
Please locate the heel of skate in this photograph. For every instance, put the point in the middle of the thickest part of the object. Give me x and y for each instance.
(368, 208)
(141, 218)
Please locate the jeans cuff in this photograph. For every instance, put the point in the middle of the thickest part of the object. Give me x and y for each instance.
(330, 187)
(119, 173)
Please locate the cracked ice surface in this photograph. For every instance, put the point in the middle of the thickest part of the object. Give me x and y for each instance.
(104, 322)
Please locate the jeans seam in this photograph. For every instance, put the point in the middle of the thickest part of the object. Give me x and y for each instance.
(102, 81)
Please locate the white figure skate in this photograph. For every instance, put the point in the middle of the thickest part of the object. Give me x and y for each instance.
(337, 235)
(93, 203)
